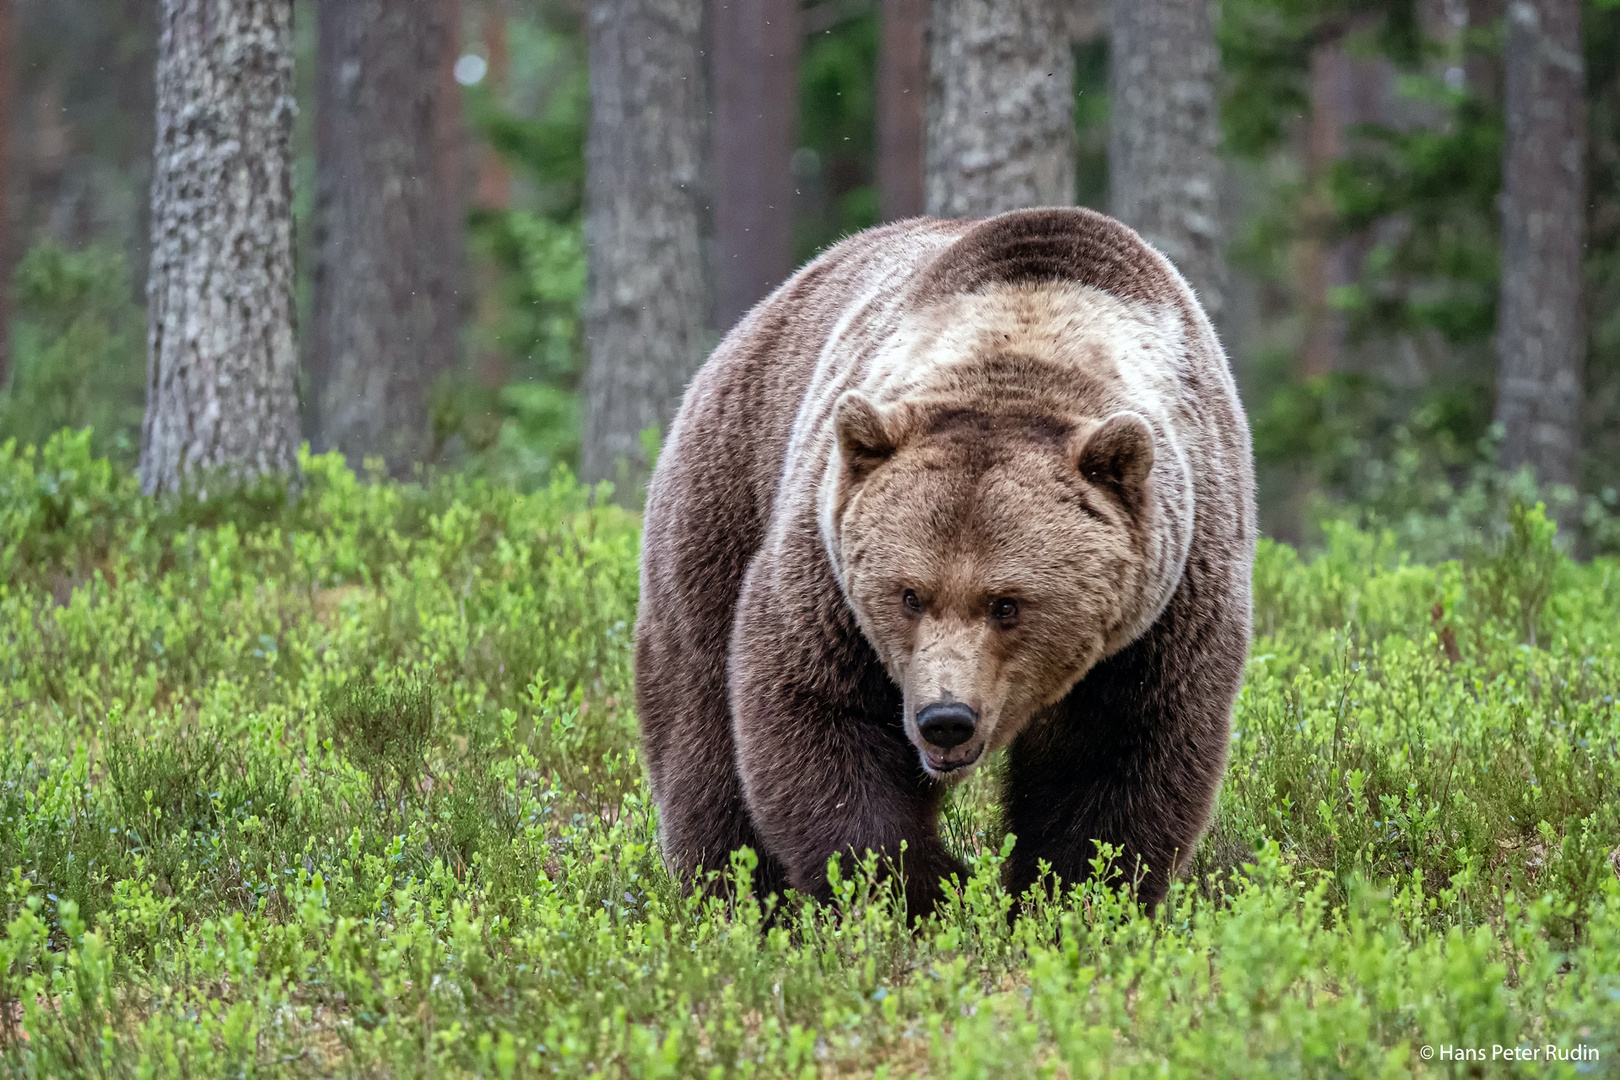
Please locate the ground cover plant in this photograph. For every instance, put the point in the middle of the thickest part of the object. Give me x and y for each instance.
(343, 781)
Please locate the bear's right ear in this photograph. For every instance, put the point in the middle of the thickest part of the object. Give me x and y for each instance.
(868, 433)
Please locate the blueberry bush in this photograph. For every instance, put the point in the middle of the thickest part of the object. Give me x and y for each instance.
(341, 779)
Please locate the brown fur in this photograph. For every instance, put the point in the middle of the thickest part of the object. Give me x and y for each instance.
(931, 418)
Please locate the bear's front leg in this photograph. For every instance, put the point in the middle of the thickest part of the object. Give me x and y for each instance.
(825, 765)
(1134, 755)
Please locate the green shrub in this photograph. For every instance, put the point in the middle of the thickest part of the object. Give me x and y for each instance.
(385, 730)
(344, 781)
(80, 350)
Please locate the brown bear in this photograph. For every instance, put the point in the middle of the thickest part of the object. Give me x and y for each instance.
(955, 486)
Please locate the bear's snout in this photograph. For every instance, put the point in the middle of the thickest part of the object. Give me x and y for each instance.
(946, 724)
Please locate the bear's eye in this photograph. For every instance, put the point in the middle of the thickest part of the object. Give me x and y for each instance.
(913, 605)
(1004, 610)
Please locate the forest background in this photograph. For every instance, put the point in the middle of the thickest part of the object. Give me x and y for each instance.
(1360, 175)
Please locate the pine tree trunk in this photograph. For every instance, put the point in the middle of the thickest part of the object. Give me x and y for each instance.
(1000, 107)
(8, 99)
(1346, 91)
(647, 291)
(1539, 324)
(1164, 175)
(222, 362)
(494, 176)
(389, 212)
(457, 169)
(902, 89)
(756, 113)
(493, 192)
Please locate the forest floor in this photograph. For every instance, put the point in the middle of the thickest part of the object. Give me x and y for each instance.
(347, 784)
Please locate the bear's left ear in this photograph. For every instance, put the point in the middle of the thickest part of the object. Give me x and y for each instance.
(868, 433)
(1117, 455)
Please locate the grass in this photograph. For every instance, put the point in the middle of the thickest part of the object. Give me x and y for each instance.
(345, 783)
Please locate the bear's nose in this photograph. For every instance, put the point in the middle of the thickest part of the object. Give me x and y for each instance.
(947, 723)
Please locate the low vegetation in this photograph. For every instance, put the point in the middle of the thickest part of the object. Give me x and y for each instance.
(344, 782)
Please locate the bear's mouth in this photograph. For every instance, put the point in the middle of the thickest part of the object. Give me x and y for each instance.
(954, 760)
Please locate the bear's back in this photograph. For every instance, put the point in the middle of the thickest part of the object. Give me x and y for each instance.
(753, 427)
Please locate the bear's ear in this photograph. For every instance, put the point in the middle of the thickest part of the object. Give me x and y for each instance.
(1117, 455)
(868, 433)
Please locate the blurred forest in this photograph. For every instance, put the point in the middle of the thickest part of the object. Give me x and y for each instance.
(1360, 181)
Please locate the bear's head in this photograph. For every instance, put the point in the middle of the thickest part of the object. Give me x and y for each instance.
(991, 558)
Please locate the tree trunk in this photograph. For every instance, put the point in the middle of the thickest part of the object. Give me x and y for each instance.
(493, 192)
(8, 99)
(902, 90)
(494, 176)
(1539, 325)
(647, 293)
(1164, 175)
(756, 112)
(457, 171)
(222, 363)
(1000, 107)
(1346, 91)
(389, 202)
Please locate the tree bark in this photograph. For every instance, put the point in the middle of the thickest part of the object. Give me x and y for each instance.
(8, 101)
(494, 176)
(1346, 91)
(756, 112)
(647, 293)
(1164, 174)
(1000, 107)
(493, 192)
(389, 202)
(457, 174)
(222, 363)
(902, 91)
(1539, 323)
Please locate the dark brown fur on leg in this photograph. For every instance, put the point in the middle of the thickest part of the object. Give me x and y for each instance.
(824, 759)
(698, 540)
(1134, 755)
(706, 819)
